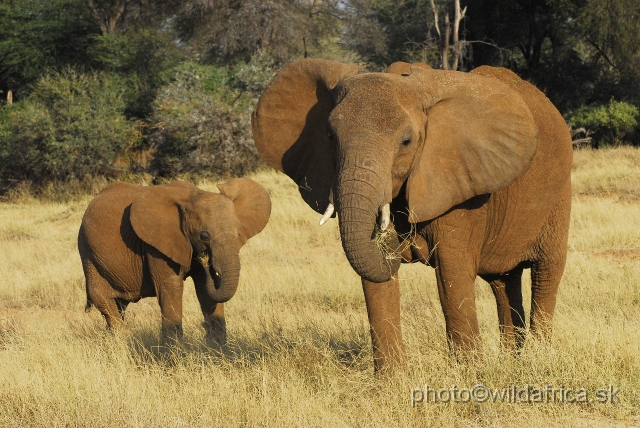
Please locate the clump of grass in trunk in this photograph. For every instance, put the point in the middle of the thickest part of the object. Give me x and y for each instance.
(392, 249)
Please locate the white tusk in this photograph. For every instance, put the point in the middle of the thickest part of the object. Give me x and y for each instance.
(327, 214)
(385, 217)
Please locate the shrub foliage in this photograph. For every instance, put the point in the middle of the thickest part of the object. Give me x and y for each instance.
(202, 121)
(610, 123)
(70, 127)
(74, 126)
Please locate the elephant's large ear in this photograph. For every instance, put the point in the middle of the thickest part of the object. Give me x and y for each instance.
(156, 219)
(251, 203)
(480, 137)
(290, 125)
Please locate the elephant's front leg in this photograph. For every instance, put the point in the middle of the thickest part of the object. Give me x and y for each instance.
(456, 292)
(383, 309)
(457, 239)
(214, 323)
(170, 299)
(169, 286)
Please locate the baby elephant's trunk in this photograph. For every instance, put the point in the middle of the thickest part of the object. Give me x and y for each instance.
(219, 271)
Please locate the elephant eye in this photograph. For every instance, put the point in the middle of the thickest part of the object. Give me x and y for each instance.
(330, 135)
(205, 236)
(406, 141)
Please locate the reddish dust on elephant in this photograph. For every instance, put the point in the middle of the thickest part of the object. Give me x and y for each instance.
(468, 172)
(143, 241)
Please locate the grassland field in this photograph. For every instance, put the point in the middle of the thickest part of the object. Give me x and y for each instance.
(299, 350)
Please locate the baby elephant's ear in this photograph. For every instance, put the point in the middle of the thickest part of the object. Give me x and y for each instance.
(156, 219)
(252, 205)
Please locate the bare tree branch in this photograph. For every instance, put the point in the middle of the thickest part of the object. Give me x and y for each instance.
(435, 16)
(445, 50)
(579, 142)
(457, 47)
(601, 52)
(107, 14)
(445, 42)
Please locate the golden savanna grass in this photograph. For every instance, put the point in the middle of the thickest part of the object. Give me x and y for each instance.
(299, 350)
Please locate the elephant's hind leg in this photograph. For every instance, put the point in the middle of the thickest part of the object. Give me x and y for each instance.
(100, 294)
(547, 270)
(507, 288)
(109, 310)
(545, 279)
(122, 306)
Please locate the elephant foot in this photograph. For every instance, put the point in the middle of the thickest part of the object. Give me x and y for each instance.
(172, 334)
(465, 349)
(516, 342)
(215, 326)
(387, 363)
(215, 332)
(512, 340)
(120, 331)
(542, 327)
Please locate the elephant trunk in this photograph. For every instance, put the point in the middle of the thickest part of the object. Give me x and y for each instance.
(220, 270)
(369, 249)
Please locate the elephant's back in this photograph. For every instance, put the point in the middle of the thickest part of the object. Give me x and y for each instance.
(103, 216)
(520, 212)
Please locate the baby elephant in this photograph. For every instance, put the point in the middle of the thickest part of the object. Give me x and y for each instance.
(138, 241)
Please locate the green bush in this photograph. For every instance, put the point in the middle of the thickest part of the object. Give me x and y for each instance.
(70, 127)
(610, 123)
(144, 58)
(202, 121)
(247, 81)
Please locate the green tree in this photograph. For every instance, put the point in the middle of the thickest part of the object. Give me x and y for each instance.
(225, 31)
(539, 40)
(144, 58)
(611, 31)
(385, 31)
(39, 34)
(577, 51)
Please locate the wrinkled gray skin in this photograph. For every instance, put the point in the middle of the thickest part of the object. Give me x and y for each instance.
(138, 241)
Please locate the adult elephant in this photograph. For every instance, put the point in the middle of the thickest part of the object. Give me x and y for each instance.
(476, 164)
(138, 241)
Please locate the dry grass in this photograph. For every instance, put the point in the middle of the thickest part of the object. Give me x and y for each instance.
(299, 347)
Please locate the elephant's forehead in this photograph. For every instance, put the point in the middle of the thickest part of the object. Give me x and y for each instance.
(213, 207)
(378, 101)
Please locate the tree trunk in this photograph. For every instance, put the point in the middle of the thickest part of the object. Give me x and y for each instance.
(443, 39)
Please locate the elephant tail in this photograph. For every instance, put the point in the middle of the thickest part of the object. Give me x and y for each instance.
(88, 306)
